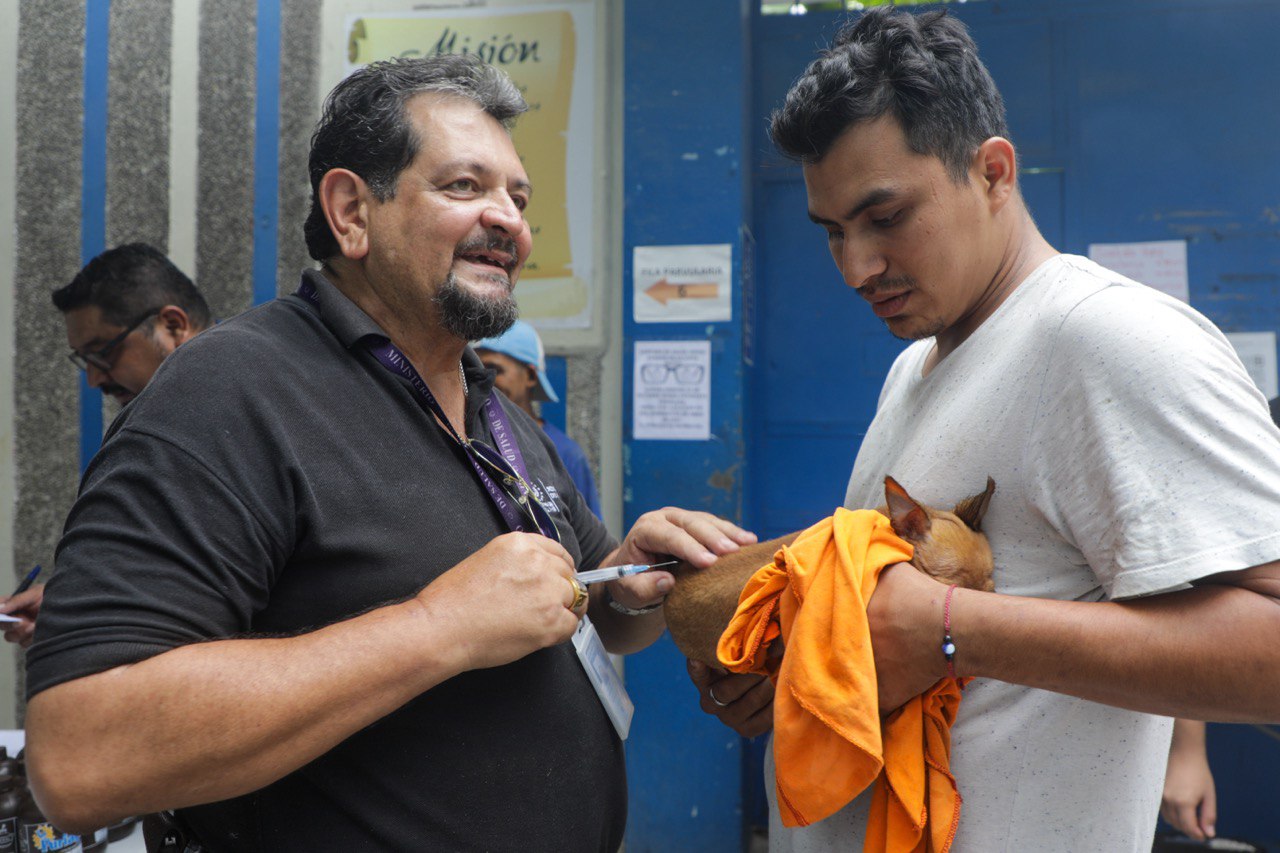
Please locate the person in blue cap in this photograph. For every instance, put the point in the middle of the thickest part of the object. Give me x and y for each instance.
(520, 366)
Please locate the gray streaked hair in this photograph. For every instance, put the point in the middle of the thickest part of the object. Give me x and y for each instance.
(365, 127)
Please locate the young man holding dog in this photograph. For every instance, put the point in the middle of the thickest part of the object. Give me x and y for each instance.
(1135, 520)
(315, 612)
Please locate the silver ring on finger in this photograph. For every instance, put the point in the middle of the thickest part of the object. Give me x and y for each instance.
(711, 691)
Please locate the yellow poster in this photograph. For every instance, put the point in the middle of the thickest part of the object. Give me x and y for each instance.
(539, 50)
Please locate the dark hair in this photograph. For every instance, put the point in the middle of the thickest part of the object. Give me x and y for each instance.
(128, 281)
(364, 126)
(922, 69)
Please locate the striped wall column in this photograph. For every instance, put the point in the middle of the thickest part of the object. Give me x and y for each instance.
(138, 123)
(48, 193)
(224, 241)
(299, 109)
(8, 271)
(134, 151)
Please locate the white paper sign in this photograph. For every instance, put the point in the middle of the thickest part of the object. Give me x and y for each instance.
(1162, 264)
(1258, 352)
(672, 390)
(682, 284)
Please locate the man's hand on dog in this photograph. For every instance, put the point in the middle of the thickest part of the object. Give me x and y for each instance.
(693, 537)
(744, 703)
(905, 616)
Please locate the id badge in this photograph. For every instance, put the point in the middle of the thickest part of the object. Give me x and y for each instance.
(604, 678)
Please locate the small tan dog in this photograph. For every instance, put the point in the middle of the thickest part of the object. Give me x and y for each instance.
(949, 546)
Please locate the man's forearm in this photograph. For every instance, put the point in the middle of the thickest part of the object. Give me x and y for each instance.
(214, 720)
(1206, 653)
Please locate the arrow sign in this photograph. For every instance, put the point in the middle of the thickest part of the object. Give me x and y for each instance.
(682, 284)
(663, 290)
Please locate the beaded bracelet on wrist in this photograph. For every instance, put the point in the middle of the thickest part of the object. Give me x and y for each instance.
(948, 645)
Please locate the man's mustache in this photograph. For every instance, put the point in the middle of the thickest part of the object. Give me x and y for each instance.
(901, 284)
(491, 243)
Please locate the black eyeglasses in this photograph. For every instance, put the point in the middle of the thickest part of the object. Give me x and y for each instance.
(100, 358)
(515, 486)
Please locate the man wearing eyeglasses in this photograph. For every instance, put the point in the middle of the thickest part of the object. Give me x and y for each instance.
(125, 312)
(335, 607)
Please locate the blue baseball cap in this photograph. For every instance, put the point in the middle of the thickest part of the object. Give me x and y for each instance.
(522, 343)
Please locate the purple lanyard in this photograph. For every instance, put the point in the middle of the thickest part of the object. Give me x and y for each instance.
(517, 519)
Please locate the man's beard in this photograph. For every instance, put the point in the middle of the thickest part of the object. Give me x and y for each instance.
(908, 284)
(930, 331)
(470, 317)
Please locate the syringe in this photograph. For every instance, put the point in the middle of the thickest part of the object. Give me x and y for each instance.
(609, 573)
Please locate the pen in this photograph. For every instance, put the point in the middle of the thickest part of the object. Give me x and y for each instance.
(609, 573)
(27, 581)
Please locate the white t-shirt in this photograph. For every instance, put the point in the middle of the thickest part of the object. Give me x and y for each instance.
(1131, 454)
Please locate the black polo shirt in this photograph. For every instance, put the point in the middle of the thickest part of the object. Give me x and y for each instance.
(274, 478)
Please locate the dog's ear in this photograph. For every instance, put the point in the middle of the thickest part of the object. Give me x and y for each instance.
(908, 518)
(971, 510)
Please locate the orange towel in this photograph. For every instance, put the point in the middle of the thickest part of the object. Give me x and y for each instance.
(828, 741)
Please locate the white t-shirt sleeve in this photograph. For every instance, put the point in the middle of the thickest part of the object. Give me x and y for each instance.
(1152, 450)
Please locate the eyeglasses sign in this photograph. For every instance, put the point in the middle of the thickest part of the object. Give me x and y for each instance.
(685, 374)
